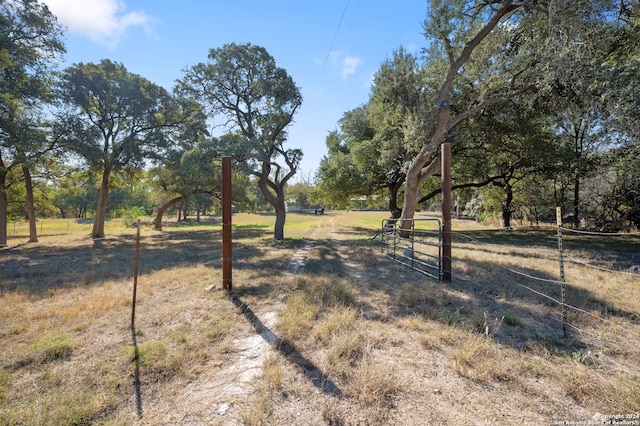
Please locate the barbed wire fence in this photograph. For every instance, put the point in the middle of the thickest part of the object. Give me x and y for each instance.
(617, 334)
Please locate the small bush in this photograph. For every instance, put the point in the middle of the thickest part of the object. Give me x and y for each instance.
(130, 217)
(373, 385)
(347, 348)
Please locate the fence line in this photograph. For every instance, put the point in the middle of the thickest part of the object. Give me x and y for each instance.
(579, 262)
(507, 247)
(541, 294)
(603, 234)
(546, 296)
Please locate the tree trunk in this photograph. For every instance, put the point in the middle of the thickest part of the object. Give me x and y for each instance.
(505, 209)
(395, 211)
(101, 209)
(3, 205)
(277, 201)
(157, 223)
(31, 211)
(281, 217)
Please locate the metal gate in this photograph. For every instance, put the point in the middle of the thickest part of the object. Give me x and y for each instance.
(419, 246)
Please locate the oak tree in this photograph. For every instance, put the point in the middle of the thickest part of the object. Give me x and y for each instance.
(241, 84)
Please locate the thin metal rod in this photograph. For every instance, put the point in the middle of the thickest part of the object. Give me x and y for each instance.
(563, 292)
(226, 224)
(135, 277)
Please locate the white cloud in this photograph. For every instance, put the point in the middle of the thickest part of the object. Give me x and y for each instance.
(349, 66)
(103, 21)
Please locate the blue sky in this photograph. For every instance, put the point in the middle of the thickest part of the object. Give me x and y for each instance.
(330, 48)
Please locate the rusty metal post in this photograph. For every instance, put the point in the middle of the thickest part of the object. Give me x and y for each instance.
(226, 223)
(446, 211)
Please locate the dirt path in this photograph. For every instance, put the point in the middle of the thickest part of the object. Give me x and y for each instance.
(220, 391)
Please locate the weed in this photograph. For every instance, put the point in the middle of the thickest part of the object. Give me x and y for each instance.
(217, 328)
(449, 318)
(588, 358)
(13, 330)
(331, 413)
(155, 358)
(511, 319)
(346, 349)
(373, 385)
(180, 335)
(257, 413)
(337, 320)
(480, 323)
(272, 373)
(51, 347)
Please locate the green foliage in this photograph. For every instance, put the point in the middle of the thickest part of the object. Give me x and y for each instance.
(511, 319)
(259, 99)
(123, 115)
(130, 217)
(30, 43)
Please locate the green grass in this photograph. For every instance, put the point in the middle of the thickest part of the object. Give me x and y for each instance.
(51, 347)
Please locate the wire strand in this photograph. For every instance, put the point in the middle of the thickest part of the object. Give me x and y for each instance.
(335, 35)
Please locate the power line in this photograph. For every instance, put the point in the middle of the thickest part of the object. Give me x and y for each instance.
(335, 35)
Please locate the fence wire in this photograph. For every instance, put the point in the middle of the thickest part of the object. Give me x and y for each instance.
(621, 328)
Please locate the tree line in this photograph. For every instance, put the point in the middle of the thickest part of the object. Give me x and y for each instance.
(538, 98)
(107, 125)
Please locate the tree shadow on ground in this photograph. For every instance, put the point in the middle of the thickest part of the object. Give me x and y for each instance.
(43, 267)
(482, 303)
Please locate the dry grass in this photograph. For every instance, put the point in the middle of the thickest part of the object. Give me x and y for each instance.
(353, 339)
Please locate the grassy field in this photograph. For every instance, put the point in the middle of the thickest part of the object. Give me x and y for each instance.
(319, 329)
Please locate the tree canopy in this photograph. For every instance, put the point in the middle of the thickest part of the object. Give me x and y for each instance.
(117, 119)
(242, 84)
(30, 44)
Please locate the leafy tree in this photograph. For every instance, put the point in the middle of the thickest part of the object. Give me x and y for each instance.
(242, 83)
(195, 171)
(345, 171)
(399, 90)
(119, 120)
(30, 43)
(459, 29)
(76, 193)
(612, 199)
